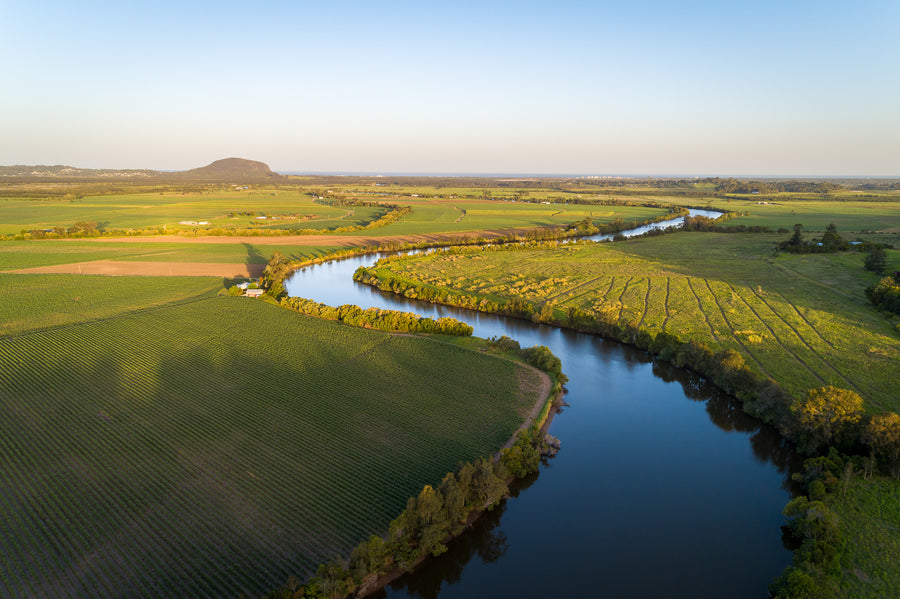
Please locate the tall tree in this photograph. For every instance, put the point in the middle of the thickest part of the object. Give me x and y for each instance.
(822, 414)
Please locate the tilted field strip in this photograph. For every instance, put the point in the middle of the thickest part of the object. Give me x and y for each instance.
(634, 299)
(805, 320)
(666, 304)
(780, 338)
(753, 295)
(116, 402)
(705, 313)
(619, 302)
(655, 309)
(578, 285)
(766, 357)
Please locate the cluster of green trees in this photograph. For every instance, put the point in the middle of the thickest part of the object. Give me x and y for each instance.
(376, 318)
(79, 230)
(816, 530)
(430, 519)
(704, 223)
(814, 526)
(885, 294)
(277, 270)
(876, 261)
(394, 214)
(831, 241)
(750, 186)
(538, 356)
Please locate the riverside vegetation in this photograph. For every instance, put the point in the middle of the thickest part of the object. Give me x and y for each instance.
(781, 341)
(123, 452)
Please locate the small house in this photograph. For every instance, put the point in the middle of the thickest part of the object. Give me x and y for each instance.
(254, 292)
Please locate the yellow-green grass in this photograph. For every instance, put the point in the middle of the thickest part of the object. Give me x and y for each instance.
(438, 216)
(134, 211)
(850, 217)
(218, 446)
(869, 512)
(34, 253)
(803, 320)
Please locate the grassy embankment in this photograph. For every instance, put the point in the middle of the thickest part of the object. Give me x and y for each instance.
(161, 440)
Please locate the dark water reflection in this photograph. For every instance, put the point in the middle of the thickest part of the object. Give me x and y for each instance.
(663, 488)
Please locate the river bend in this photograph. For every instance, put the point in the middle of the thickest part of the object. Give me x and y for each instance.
(663, 487)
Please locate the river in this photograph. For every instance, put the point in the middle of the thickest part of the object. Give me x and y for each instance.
(663, 487)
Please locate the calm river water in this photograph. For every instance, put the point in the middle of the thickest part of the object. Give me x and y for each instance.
(663, 487)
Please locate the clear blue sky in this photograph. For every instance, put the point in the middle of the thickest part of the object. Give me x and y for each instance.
(641, 87)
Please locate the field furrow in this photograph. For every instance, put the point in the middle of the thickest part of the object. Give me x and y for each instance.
(171, 453)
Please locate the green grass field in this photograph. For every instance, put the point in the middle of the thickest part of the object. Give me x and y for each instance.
(803, 320)
(869, 512)
(160, 440)
(215, 446)
(448, 215)
(849, 217)
(221, 208)
(15, 255)
(35, 302)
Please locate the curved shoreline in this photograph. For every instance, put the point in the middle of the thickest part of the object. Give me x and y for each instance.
(552, 394)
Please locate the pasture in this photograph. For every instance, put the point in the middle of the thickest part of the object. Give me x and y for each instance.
(851, 218)
(869, 518)
(803, 320)
(15, 255)
(211, 446)
(282, 208)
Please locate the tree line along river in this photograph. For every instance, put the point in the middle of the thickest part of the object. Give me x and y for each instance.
(663, 488)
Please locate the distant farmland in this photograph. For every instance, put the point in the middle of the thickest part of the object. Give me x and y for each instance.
(219, 445)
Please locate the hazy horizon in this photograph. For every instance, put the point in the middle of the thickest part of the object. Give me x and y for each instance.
(798, 89)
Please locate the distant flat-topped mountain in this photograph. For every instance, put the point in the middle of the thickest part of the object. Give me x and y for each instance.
(231, 168)
(227, 169)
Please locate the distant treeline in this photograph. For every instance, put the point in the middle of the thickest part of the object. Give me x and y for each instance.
(758, 186)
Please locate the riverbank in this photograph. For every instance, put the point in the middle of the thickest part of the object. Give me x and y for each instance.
(825, 347)
(622, 411)
(541, 416)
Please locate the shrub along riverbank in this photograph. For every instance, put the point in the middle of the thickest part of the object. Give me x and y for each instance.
(438, 514)
(815, 419)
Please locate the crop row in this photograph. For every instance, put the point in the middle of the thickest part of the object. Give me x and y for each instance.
(170, 453)
(784, 325)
